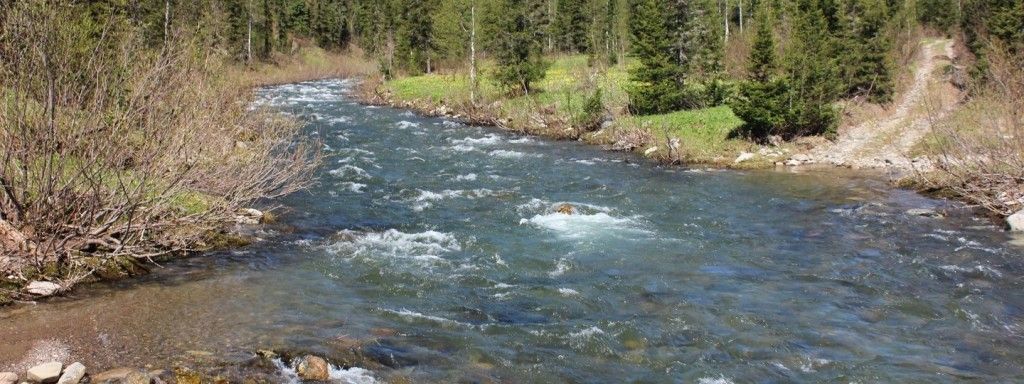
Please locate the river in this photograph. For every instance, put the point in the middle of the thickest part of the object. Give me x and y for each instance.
(435, 251)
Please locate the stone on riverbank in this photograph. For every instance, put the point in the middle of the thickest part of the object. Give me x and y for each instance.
(1016, 221)
(8, 377)
(45, 373)
(249, 216)
(313, 368)
(42, 288)
(744, 156)
(72, 374)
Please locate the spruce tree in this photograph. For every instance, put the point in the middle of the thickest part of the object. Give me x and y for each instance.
(812, 72)
(517, 44)
(571, 25)
(863, 48)
(658, 80)
(763, 100)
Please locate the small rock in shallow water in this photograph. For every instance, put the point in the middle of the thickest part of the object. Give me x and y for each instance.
(42, 288)
(923, 212)
(45, 373)
(72, 374)
(313, 368)
(1016, 221)
(8, 377)
(121, 376)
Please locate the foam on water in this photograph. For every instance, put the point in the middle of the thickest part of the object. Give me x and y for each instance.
(407, 124)
(353, 187)
(425, 199)
(584, 226)
(466, 177)
(424, 247)
(490, 139)
(413, 315)
(349, 170)
(714, 380)
(511, 154)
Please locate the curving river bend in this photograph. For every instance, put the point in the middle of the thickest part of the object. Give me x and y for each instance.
(435, 250)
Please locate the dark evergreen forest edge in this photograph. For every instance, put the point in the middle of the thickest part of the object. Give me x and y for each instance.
(127, 134)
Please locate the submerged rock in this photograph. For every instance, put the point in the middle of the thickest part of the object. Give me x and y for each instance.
(313, 368)
(924, 212)
(122, 376)
(72, 374)
(45, 373)
(42, 288)
(1016, 221)
(8, 377)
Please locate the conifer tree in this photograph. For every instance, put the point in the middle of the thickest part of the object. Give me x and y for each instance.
(763, 99)
(812, 72)
(572, 22)
(517, 44)
(863, 48)
(659, 79)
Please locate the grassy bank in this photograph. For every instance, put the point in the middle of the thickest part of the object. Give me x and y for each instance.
(558, 110)
(116, 153)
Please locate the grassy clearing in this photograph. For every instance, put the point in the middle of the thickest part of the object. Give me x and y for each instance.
(703, 134)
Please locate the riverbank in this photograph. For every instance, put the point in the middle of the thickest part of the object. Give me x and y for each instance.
(88, 197)
(263, 366)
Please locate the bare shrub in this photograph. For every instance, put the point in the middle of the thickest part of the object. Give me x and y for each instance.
(108, 149)
(979, 151)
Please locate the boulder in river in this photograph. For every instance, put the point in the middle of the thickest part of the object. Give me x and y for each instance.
(1016, 221)
(45, 373)
(8, 377)
(313, 368)
(42, 288)
(72, 374)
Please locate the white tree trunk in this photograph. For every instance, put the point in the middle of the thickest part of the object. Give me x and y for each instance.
(167, 19)
(741, 16)
(726, 19)
(248, 36)
(472, 53)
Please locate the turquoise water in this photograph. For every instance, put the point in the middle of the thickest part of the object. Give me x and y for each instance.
(433, 251)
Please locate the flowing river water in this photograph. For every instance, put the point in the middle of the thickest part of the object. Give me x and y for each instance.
(433, 251)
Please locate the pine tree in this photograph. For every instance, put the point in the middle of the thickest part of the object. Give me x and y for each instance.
(571, 25)
(659, 79)
(517, 44)
(812, 72)
(763, 62)
(863, 49)
(763, 100)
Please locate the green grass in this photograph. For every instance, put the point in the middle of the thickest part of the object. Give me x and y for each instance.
(702, 133)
